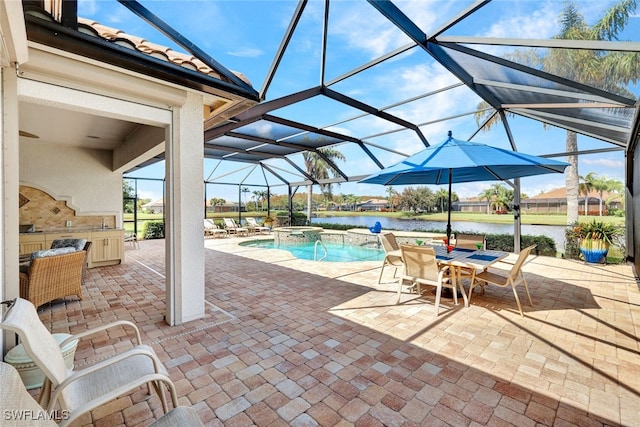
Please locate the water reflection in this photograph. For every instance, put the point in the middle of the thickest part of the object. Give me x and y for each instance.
(556, 232)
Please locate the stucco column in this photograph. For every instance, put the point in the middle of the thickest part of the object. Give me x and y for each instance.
(184, 199)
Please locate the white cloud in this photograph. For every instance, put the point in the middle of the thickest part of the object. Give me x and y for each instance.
(541, 23)
(608, 163)
(247, 52)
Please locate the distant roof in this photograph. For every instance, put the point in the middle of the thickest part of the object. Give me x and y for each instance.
(561, 193)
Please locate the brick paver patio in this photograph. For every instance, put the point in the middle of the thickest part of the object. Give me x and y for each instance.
(293, 342)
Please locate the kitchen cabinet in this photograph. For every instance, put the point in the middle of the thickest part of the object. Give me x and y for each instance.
(31, 243)
(107, 247)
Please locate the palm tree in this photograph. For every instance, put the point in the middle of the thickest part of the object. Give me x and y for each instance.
(602, 184)
(391, 194)
(611, 71)
(260, 196)
(585, 188)
(244, 191)
(442, 198)
(317, 168)
(492, 194)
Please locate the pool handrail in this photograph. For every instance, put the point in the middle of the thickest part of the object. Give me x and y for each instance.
(315, 251)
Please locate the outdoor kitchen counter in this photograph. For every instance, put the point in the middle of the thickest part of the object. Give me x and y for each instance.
(107, 244)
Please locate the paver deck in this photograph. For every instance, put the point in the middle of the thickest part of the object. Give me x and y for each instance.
(302, 343)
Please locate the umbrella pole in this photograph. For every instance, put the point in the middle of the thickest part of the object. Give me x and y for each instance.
(449, 210)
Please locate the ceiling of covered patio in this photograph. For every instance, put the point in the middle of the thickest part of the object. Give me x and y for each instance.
(432, 71)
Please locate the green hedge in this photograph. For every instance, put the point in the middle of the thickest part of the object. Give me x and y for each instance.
(153, 230)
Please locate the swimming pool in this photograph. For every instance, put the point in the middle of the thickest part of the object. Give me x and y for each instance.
(335, 252)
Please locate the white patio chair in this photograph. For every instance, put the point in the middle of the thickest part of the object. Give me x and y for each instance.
(17, 400)
(252, 223)
(234, 228)
(83, 390)
(514, 277)
(392, 255)
(212, 230)
(421, 268)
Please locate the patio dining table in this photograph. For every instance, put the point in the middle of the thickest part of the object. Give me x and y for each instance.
(467, 258)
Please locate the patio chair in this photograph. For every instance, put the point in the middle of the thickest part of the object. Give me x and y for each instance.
(469, 241)
(132, 239)
(53, 274)
(212, 230)
(252, 223)
(421, 268)
(514, 277)
(234, 228)
(17, 400)
(81, 391)
(392, 254)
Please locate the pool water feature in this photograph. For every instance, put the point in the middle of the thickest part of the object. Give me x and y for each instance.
(336, 252)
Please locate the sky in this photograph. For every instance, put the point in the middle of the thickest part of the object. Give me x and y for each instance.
(244, 36)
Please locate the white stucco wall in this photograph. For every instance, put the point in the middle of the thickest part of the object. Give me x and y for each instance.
(82, 177)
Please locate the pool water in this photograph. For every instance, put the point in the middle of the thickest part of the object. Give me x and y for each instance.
(336, 252)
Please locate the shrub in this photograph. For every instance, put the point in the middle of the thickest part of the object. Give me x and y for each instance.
(153, 230)
(504, 242)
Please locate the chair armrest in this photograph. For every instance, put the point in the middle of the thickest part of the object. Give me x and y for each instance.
(76, 375)
(103, 328)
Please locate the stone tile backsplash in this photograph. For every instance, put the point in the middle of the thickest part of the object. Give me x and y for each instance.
(46, 213)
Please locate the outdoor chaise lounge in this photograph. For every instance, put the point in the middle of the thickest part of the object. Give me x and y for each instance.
(253, 224)
(234, 228)
(80, 391)
(212, 230)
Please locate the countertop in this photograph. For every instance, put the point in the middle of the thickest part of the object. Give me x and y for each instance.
(71, 230)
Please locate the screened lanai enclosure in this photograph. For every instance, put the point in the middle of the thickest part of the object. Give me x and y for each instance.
(378, 81)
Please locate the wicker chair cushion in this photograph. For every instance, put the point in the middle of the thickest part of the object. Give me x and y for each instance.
(53, 252)
(78, 244)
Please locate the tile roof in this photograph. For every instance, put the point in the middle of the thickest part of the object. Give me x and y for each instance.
(561, 193)
(119, 37)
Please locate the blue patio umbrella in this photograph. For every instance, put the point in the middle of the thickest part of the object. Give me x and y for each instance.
(454, 161)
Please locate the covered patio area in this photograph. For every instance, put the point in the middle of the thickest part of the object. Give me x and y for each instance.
(292, 342)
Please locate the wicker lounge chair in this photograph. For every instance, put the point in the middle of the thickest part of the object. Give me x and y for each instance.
(81, 391)
(17, 400)
(53, 274)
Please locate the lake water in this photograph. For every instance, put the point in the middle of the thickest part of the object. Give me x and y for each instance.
(556, 232)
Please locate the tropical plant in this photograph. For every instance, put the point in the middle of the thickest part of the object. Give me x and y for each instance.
(611, 71)
(317, 167)
(598, 230)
